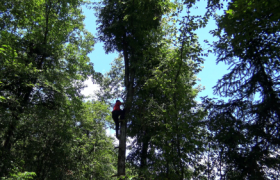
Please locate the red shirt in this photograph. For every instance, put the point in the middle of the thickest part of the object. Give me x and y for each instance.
(117, 106)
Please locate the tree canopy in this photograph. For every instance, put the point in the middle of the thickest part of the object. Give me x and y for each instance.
(247, 126)
(49, 130)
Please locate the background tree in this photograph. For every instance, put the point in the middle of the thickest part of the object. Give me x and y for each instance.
(247, 126)
(43, 62)
(166, 140)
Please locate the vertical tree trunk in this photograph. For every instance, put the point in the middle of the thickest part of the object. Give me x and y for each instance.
(129, 82)
(144, 151)
(122, 149)
(144, 156)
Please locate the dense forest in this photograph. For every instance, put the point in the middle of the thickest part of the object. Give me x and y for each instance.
(50, 130)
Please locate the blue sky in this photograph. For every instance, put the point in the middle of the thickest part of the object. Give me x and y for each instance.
(209, 75)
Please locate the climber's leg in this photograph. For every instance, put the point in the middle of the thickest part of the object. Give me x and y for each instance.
(115, 116)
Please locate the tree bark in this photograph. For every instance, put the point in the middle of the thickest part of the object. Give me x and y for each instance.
(144, 151)
(122, 149)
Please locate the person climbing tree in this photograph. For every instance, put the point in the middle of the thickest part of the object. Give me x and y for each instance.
(115, 115)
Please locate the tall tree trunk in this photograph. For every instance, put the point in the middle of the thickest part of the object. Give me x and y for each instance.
(144, 151)
(122, 149)
(129, 82)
